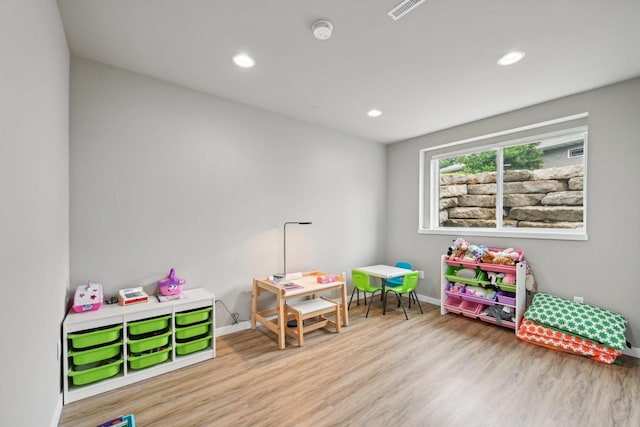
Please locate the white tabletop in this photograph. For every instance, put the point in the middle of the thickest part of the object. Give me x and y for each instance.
(384, 271)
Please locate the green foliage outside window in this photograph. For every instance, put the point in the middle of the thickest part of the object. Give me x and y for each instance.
(526, 156)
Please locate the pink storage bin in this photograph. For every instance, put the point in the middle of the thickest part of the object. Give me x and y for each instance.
(452, 304)
(458, 262)
(499, 268)
(508, 298)
(471, 309)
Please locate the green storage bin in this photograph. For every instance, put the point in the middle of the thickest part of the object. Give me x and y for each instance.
(504, 286)
(145, 344)
(193, 316)
(196, 330)
(193, 346)
(150, 325)
(95, 337)
(147, 360)
(91, 373)
(96, 354)
(481, 278)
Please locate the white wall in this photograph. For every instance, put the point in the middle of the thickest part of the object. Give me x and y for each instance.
(602, 269)
(34, 219)
(162, 177)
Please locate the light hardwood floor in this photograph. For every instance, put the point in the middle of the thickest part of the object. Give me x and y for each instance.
(431, 370)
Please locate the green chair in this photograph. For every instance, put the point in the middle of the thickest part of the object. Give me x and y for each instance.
(408, 286)
(362, 282)
(397, 281)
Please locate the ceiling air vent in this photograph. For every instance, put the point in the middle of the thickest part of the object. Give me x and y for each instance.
(403, 8)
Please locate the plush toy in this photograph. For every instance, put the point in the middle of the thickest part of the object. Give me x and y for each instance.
(509, 279)
(477, 250)
(459, 248)
(504, 257)
(493, 276)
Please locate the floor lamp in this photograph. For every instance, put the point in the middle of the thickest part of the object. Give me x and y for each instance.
(290, 323)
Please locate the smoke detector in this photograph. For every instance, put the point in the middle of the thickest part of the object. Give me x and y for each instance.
(322, 29)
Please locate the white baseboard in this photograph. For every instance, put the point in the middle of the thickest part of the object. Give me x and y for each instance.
(430, 300)
(230, 329)
(633, 352)
(57, 413)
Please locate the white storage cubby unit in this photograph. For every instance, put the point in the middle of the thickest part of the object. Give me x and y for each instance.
(116, 346)
(512, 296)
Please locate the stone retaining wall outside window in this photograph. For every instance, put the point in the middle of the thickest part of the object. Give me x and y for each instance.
(543, 198)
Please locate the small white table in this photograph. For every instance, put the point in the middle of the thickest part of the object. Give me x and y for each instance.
(384, 271)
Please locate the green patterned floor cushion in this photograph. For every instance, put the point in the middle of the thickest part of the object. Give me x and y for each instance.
(584, 320)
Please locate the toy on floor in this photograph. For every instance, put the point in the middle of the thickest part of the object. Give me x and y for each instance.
(121, 421)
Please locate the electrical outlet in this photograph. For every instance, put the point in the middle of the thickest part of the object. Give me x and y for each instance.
(421, 274)
(578, 299)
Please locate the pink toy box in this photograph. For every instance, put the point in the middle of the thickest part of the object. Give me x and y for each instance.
(327, 278)
(171, 285)
(87, 298)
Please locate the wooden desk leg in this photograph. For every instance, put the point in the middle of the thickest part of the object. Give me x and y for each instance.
(345, 310)
(254, 304)
(282, 322)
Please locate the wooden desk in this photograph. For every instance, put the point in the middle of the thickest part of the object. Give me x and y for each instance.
(304, 286)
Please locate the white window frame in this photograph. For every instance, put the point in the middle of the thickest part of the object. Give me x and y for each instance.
(429, 163)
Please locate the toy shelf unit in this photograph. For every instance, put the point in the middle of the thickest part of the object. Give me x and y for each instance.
(119, 345)
(477, 290)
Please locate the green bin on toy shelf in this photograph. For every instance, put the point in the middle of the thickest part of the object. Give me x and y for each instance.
(186, 332)
(193, 346)
(480, 278)
(97, 354)
(504, 286)
(95, 337)
(92, 372)
(193, 316)
(150, 359)
(145, 344)
(149, 325)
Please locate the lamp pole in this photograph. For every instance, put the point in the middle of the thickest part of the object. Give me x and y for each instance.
(285, 243)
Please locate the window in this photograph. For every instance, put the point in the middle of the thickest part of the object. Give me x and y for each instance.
(575, 152)
(518, 183)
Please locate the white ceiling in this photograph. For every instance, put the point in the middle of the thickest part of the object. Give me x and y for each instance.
(433, 69)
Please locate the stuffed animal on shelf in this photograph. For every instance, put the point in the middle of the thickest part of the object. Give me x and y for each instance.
(493, 276)
(459, 248)
(504, 257)
(509, 279)
(477, 251)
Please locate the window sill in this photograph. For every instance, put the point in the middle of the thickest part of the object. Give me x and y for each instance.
(511, 233)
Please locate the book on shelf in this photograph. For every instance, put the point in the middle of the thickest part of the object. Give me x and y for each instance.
(166, 298)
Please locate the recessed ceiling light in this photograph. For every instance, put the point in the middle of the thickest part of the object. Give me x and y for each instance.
(511, 58)
(243, 60)
(374, 113)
